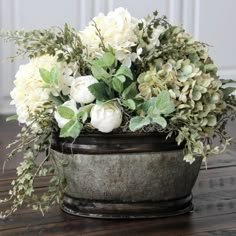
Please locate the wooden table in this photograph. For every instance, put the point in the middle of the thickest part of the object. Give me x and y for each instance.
(214, 214)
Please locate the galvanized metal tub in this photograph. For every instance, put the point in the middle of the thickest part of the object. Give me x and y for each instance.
(125, 176)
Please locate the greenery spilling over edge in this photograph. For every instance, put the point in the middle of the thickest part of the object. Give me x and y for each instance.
(172, 87)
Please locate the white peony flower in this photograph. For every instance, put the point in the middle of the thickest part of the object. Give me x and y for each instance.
(79, 89)
(117, 30)
(106, 117)
(61, 121)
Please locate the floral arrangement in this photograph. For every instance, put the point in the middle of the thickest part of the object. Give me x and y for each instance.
(119, 74)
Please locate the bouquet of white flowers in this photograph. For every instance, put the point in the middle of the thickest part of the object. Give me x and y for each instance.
(120, 74)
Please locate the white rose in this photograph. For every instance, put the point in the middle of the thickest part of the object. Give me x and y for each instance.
(61, 121)
(106, 117)
(79, 89)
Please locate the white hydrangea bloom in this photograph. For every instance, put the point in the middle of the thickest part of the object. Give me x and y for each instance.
(29, 92)
(117, 30)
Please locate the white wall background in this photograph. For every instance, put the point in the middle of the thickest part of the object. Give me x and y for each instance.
(211, 21)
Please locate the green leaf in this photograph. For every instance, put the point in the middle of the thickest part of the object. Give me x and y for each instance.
(57, 100)
(151, 103)
(45, 75)
(54, 74)
(210, 67)
(180, 138)
(155, 13)
(140, 25)
(101, 91)
(130, 92)
(66, 112)
(71, 129)
(161, 104)
(153, 112)
(99, 73)
(160, 121)
(227, 91)
(84, 112)
(124, 70)
(105, 61)
(13, 117)
(227, 81)
(138, 122)
(164, 103)
(130, 104)
(117, 85)
(83, 115)
(122, 78)
(96, 63)
(108, 59)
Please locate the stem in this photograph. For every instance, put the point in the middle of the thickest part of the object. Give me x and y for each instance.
(43, 162)
(99, 34)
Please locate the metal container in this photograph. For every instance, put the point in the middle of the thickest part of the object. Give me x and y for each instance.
(125, 176)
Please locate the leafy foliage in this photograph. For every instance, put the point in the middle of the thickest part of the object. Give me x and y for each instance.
(71, 129)
(66, 43)
(66, 112)
(33, 143)
(49, 77)
(111, 76)
(153, 109)
(165, 81)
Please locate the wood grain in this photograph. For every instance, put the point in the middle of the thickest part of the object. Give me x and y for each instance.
(214, 209)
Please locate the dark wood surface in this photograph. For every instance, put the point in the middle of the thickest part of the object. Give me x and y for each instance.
(214, 209)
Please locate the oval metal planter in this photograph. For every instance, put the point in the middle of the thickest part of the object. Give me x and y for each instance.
(125, 175)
